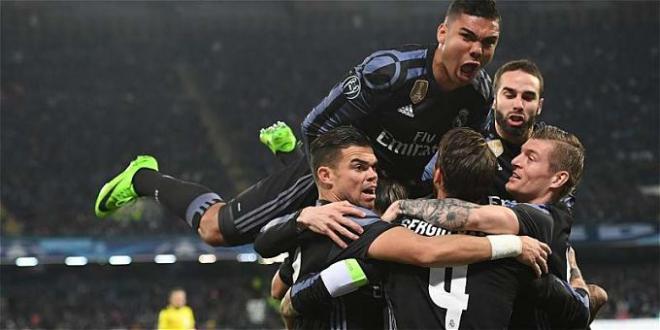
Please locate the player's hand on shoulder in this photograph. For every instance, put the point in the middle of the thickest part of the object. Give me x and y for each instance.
(332, 220)
(392, 212)
(534, 254)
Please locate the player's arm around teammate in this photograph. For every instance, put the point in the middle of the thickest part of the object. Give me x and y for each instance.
(332, 220)
(455, 214)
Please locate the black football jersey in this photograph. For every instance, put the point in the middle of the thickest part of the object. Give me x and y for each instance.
(393, 97)
(535, 219)
(505, 153)
(476, 296)
(363, 309)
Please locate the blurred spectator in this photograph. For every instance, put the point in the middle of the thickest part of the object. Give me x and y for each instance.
(177, 315)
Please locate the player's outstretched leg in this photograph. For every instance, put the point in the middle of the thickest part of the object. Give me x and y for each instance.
(217, 222)
(189, 201)
(120, 191)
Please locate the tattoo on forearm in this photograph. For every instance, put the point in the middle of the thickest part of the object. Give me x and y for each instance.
(451, 214)
(575, 273)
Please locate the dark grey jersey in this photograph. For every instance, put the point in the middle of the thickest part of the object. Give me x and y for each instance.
(393, 97)
(359, 310)
(476, 296)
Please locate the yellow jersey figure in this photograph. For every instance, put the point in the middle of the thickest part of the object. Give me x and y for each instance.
(176, 316)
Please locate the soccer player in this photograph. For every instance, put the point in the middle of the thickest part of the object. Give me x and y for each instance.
(343, 165)
(518, 92)
(176, 316)
(548, 168)
(518, 101)
(404, 99)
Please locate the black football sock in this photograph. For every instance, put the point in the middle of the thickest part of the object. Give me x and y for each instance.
(288, 158)
(186, 200)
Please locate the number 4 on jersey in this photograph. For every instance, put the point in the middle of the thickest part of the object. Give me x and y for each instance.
(456, 300)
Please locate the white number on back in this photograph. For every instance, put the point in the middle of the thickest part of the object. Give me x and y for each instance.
(456, 300)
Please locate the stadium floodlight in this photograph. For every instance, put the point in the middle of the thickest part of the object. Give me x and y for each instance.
(165, 259)
(26, 261)
(120, 260)
(246, 257)
(207, 258)
(75, 261)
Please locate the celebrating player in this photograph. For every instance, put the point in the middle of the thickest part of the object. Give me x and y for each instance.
(548, 169)
(518, 89)
(404, 99)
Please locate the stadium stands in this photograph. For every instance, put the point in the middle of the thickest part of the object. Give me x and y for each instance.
(105, 297)
(116, 297)
(85, 88)
(633, 290)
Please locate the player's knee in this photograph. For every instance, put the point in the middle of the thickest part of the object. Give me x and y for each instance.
(209, 226)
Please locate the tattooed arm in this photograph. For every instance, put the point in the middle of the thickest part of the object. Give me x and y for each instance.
(455, 214)
(575, 279)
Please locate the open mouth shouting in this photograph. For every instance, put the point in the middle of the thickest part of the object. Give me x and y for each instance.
(469, 70)
(515, 120)
(369, 193)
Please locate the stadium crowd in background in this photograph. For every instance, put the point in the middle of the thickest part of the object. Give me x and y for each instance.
(171, 84)
(137, 76)
(100, 297)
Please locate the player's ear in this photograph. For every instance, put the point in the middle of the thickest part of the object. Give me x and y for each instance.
(441, 34)
(324, 175)
(559, 179)
(438, 179)
(538, 112)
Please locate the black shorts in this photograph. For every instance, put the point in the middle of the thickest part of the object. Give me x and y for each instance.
(285, 191)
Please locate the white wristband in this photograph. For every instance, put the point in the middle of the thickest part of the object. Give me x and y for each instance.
(504, 246)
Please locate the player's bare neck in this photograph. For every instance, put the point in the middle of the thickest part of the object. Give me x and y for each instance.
(441, 194)
(328, 195)
(441, 75)
(546, 198)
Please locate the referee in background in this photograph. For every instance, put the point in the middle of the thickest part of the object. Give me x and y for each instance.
(176, 315)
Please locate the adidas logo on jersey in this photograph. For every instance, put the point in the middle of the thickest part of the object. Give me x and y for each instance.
(407, 111)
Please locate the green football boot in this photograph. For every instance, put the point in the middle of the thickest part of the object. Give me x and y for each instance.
(278, 137)
(119, 190)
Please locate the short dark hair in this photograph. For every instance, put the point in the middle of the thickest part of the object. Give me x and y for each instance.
(524, 65)
(325, 149)
(468, 165)
(479, 8)
(567, 155)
